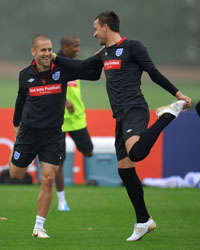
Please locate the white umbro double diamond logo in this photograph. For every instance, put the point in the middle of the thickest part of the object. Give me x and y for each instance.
(31, 80)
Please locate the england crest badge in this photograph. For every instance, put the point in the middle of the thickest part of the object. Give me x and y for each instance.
(56, 75)
(119, 52)
(16, 155)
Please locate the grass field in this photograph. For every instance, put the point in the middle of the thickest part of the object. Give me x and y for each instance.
(101, 218)
(95, 96)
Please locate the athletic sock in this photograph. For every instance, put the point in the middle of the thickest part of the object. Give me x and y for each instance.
(148, 137)
(39, 222)
(61, 197)
(135, 192)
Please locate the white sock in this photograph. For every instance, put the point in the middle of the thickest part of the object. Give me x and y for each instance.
(39, 222)
(61, 197)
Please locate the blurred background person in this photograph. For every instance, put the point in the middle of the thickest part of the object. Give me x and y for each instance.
(74, 118)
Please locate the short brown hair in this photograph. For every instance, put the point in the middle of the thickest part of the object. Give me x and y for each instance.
(39, 37)
(110, 18)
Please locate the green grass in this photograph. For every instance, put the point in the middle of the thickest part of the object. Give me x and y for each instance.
(95, 97)
(108, 212)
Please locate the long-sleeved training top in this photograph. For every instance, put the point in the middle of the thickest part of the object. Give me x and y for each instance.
(41, 96)
(124, 64)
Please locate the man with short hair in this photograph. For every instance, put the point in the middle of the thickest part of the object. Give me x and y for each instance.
(38, 117)
(124, 61)
(74, 118)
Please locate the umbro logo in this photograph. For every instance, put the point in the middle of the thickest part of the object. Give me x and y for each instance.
(31, 80)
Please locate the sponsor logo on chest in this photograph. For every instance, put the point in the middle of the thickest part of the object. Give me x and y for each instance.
(112, 64)
(45, 90)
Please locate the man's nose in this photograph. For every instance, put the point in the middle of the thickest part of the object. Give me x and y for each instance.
(47, 52)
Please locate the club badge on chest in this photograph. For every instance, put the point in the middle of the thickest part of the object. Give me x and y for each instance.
(56, 76)
(119, 52)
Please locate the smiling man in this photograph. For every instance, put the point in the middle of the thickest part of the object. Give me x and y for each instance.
(38, 117)
(42, 51)
(124, 61)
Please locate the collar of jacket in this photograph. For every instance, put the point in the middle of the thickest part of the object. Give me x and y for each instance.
(52, 66)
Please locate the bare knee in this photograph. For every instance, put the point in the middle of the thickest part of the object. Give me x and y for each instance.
(60, 170)
(48, 175)
(125, 163)
(48, 181)
(16, 176)
(16, 172)
(131, 141)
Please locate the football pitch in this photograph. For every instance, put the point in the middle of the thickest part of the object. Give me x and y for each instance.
(95, 97)
(101, 218)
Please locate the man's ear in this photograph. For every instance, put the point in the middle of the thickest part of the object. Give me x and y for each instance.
(105, 27)
(33, 51)
(65, 48)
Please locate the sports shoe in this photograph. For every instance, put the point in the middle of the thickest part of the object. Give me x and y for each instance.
(174, 108)
(40, 233)
(141, 229)
(63, 207)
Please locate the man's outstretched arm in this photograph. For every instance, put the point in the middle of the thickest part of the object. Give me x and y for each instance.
(88, 69)
(144, 61)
